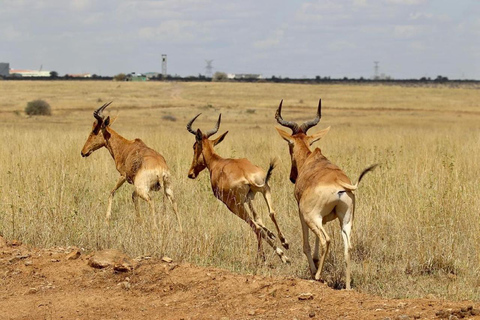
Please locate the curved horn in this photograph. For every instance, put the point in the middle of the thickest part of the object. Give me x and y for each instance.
(98, 113)
(213, 131)
(289, 124)
(189, 125)
(308, 124)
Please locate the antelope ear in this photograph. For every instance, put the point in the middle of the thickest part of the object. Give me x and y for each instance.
(106, 122)
(199, 135)
(285, 135)
(219, 139)
(317, 136)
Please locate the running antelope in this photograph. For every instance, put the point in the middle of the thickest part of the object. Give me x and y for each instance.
(138, 164)
(235, 182)
(323, 191)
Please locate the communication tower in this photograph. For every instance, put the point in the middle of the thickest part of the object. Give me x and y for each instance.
(208, 68)
(375, 70)
(164, 65)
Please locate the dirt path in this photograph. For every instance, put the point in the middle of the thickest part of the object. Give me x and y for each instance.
(58, 284)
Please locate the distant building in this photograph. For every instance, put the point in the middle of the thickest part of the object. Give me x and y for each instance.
(4, 69)
(79, 75)
(151, 75)
(136, 77)
(237, 76)
(29, 73)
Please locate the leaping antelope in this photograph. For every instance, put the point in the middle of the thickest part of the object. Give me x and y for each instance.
(137, 164)
(323, 191)
(235, 182)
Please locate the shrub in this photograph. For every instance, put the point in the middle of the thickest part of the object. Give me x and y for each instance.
(38, 107)
(120, 77)
(220, 76)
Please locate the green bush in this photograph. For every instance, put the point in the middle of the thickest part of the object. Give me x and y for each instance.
(38, 108)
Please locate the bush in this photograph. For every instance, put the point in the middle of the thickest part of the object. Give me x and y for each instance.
(220, 76)
(120, 77)
(38, 107)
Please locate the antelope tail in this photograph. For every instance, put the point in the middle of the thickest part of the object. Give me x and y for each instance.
(273, 164)
(353, 187)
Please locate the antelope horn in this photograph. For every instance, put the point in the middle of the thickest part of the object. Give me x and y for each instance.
(213, 131)
(308, 124)
(98, 113)
(289, 124)
(189, 125)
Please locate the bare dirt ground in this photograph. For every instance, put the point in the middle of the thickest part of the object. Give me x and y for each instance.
(64, 283)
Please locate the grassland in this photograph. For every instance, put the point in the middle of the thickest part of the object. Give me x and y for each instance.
(416, 230)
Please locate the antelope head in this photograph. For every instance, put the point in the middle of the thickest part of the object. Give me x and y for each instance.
(96, 138)
(299, 142)
(202, 142)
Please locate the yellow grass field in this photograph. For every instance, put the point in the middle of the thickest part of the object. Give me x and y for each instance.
(416, 231)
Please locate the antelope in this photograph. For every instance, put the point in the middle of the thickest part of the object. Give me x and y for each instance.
(235, 182)
(137, 164)
(322, 190)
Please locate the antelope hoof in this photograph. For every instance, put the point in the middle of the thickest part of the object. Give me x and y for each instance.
(285, 244)
(318, 278)
(282, 256)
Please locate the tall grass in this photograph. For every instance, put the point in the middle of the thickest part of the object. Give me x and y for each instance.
(416, 229)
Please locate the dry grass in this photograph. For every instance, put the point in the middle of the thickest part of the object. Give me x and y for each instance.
(416, 231)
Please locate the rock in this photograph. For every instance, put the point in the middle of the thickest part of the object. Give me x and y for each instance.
(31, 291)
(125, 266)
(305, 296)
(75, 254)
(110, 257)
(167, 259)
(125, 285)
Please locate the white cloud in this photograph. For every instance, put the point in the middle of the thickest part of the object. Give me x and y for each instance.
(80, 4)
(360, 3)
(173, 30)
(407, 31)
(270, 42)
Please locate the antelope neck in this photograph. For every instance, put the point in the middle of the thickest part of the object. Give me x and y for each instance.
(115, 144)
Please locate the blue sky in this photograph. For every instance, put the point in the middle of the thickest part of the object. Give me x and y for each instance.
(337, 38)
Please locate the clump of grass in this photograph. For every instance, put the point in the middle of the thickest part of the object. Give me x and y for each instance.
(38, 108)
(169, 117)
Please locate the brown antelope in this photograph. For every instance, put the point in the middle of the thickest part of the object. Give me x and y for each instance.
(235, 182)
(323, 192)
(138, 164)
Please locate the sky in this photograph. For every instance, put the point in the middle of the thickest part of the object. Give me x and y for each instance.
(282, 38)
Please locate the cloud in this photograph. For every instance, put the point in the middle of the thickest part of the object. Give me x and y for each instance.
(270, 42)
(173, 30)
(407, 31)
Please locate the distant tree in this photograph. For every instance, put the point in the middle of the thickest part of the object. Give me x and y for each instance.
(441, 79)
(120, 77)
(220, 76)
(53, 74)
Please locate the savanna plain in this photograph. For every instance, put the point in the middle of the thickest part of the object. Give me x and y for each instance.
(416, 232)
